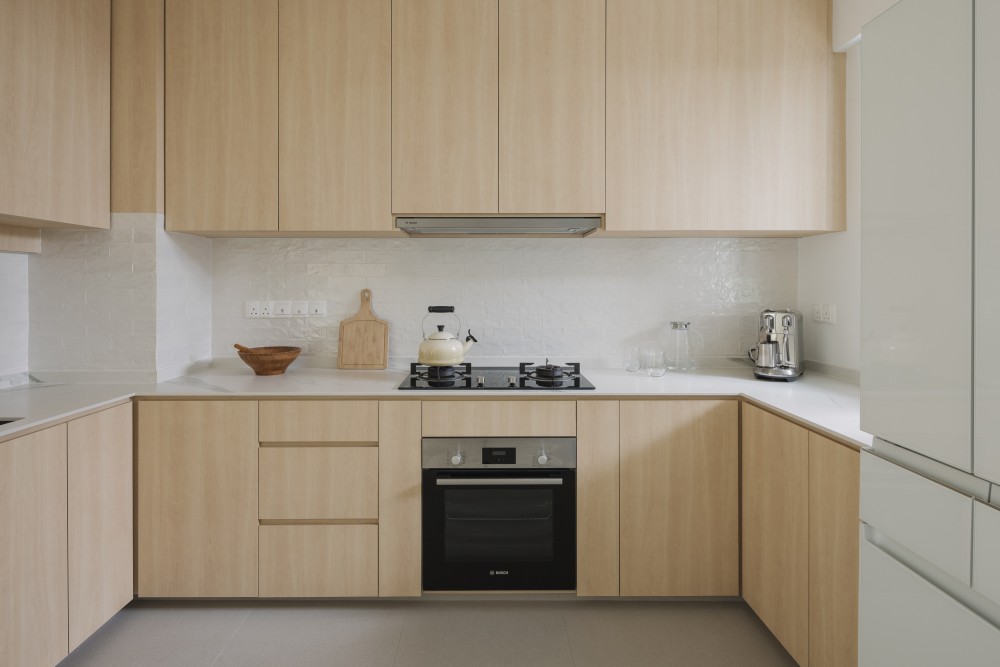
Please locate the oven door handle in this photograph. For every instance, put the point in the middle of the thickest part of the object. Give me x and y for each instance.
(500, 481)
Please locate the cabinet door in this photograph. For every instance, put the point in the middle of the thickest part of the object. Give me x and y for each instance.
(334, 116)
(197, 498)
(55, 148)
(399, 569)
(221, 116)
(552, 106)
(781, 118)
(444, 111)
(916, 209)
(679, 498)
(834, 489)
(663, 115)
(314, 561)
(776, 526)
(33, 617)
(100, 519)
(597, 498)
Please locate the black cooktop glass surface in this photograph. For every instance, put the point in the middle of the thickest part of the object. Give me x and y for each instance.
(471, 378)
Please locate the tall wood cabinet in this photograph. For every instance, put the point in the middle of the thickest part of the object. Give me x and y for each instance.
(679, 497)
(55, 132)
(197, 498)
(800, 538)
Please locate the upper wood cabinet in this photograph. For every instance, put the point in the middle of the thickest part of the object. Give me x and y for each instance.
(334, 116)
(552, 106)
(55, 132)
(221, 116)
(680, 498)
(724, 117)
(444, 114)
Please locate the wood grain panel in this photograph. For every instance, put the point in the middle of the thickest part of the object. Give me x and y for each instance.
(221, 115)
(663, 117)
(552, 106)
(197, 498)
(137, 106)
(774, 131)
(493, 419)
(834, 490)
(319, 421)
(679, 497)
(399, 562)
(444, 113)
(597, 498)
(100, 519)
(33, 606)
(334, 115)
(318, 561)
(55, 150)
(20, 239)
(775, 485)
(318, 483)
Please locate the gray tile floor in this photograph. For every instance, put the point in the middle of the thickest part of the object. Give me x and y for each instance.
(432, 633)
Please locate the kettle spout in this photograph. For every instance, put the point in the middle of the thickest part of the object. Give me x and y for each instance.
(469, 340)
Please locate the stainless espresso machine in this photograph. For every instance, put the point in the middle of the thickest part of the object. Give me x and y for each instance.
(778, 355)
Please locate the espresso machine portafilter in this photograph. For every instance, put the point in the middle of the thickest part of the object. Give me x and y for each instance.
(778, 354)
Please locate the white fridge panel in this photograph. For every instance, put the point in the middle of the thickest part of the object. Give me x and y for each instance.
(986, 453)
(916, 201)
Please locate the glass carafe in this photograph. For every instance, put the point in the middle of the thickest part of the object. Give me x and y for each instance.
(679, 355)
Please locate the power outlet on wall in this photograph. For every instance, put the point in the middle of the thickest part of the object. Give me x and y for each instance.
(824, 313)
(252, 309)
(267, 309)
(255, 309)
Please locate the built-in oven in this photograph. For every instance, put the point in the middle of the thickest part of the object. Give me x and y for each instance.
(499, 514)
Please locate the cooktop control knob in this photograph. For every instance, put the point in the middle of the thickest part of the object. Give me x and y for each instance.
(511, 380)
(480, 380)
(543, 458)
(456, 460)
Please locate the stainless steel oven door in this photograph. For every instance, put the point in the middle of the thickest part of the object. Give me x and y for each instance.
(512, 529)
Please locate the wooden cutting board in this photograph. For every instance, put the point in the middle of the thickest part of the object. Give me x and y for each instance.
(364, 339)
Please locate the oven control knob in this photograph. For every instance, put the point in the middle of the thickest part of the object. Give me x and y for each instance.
(456, 460)
(543, 458)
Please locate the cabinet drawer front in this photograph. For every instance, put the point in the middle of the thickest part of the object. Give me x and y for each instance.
(319, 561)
(499, 419)
(986, 551)
(318, 482)
(931, 520)
(319, 421)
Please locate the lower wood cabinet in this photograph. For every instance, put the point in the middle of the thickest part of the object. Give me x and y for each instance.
(679, 497)
(800, 538)
(319, 560)
(197, 498)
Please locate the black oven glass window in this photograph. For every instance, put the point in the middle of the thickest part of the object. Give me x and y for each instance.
(510, 525)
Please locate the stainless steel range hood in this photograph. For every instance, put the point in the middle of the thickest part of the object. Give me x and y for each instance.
(429, 226)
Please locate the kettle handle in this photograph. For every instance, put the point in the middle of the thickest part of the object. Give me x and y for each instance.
(440, 309)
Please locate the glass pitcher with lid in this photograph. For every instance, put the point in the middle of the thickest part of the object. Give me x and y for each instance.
(678, 348)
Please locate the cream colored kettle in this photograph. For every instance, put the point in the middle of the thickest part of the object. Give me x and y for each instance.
(443, 348)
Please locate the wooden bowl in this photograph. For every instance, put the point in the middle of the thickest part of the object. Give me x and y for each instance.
(268, 360)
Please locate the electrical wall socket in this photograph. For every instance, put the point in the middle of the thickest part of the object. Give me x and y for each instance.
(252, 309)
(825, 313)
(257, 309)
(317, 308)
(267, 309)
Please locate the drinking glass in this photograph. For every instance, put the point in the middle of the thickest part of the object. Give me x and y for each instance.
(653, 360)
(632, 358)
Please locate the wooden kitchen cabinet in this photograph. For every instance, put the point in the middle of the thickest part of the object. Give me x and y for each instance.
(551, 106)
(597, 498)
(55, 141)
(724, 118)
(33, 606)
(197, 498)
(99, 460)
(330, 421)
(445, 100)
(776, 526)
(679, 497)
(498, 419)
(318, 483)
(334, 116)
(221, 116)
(318, 561)
(399, 500)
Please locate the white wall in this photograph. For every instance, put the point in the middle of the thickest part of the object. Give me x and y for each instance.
(13, 316)
(183, 301)
(570, 299)
(850, 16)
(830, 265)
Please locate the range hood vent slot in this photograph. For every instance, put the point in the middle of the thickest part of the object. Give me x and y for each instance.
(427, 226)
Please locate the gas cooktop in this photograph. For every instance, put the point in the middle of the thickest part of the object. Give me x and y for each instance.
(548, 377)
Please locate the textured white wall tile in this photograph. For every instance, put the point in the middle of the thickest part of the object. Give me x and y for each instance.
(14, 317)
(531, 298)
(183, 300)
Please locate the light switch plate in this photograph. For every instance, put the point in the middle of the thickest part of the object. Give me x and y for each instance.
(300, 308)
(317, 308)
(282, 308)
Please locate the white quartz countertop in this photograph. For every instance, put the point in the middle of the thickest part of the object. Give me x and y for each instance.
(822, 403)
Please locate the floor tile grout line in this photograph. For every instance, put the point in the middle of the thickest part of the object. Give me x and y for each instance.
(232, 636)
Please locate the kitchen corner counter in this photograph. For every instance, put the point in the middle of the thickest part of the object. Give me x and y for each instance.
(818, 402)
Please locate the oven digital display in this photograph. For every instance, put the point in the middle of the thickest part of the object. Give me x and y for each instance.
(499, 455)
